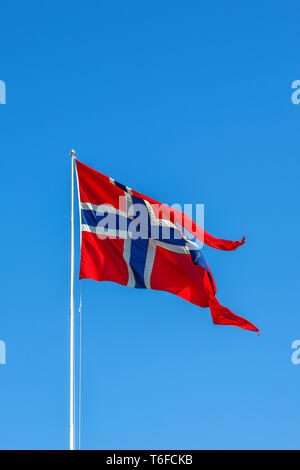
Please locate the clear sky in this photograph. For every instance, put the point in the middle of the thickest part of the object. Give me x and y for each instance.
(186, 102)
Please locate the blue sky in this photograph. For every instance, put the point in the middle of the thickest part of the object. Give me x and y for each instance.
(186, 102)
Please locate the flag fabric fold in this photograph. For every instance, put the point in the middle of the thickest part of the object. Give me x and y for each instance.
(110, 252)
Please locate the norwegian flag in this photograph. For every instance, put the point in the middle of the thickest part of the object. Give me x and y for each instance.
(172, 263)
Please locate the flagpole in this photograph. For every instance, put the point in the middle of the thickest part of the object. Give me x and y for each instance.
(71, 423)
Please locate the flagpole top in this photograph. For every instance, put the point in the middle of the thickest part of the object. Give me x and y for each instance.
(72, 153)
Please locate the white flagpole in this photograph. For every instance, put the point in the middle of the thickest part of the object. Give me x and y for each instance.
(71, 424)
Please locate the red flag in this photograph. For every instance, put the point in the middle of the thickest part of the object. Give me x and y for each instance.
(174, 264)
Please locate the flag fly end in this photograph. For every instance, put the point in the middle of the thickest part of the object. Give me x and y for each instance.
(223, 316)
